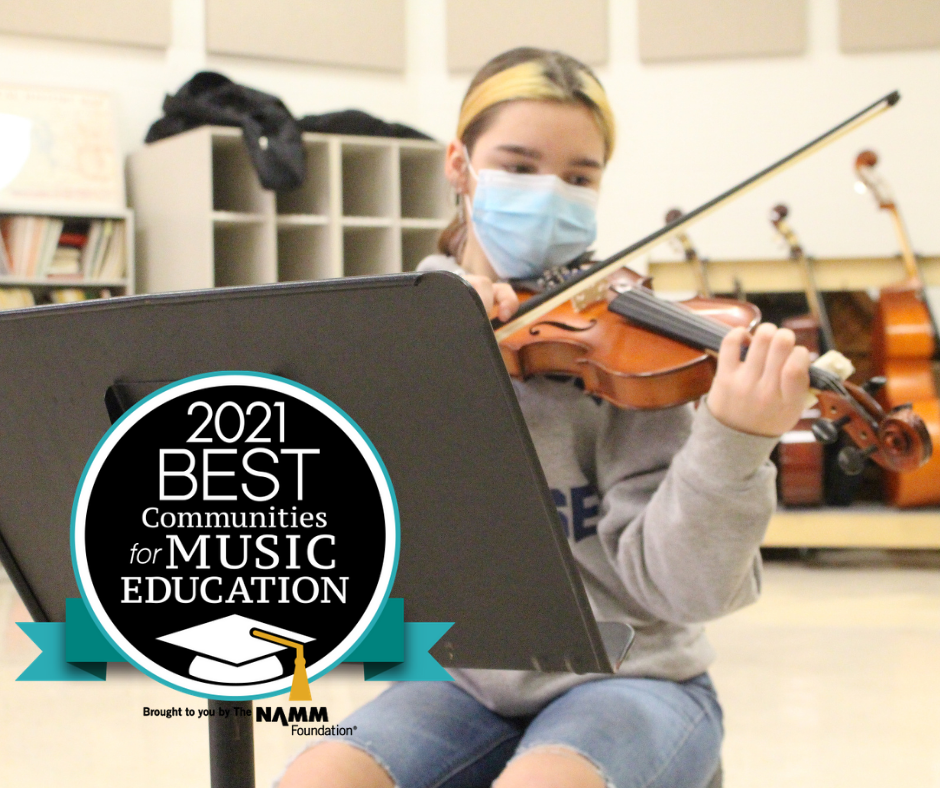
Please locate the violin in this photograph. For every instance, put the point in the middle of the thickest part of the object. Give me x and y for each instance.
(590, 341)
(663, 355)
(605, 325)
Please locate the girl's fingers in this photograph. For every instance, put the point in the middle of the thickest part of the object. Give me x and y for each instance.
(729, 356)
(794, 375)
(505, 300)
(781, 346)
(757, 351)
(484, 288)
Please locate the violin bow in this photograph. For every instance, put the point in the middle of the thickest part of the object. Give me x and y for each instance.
(593, 276)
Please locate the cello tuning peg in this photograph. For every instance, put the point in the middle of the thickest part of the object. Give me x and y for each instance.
(873, 385)
(827, 431)
(852, 460)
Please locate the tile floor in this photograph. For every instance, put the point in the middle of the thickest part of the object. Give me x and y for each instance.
(832, 679)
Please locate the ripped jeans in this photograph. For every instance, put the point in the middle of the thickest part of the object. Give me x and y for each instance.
(638, 733)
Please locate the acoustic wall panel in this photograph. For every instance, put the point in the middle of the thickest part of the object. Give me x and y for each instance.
(702, 29)
(357, 33)
(870, 25)
(479, 29)
(140, 23)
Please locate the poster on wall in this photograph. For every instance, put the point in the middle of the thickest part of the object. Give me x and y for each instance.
(58, 151)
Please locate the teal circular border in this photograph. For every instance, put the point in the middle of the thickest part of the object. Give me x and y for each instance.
(294, 384)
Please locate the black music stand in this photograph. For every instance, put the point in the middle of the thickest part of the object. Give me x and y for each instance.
(411, 358)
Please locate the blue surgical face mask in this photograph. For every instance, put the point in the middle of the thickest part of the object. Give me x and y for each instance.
(527, 224)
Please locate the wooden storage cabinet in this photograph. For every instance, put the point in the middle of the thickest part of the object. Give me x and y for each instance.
(367, 206)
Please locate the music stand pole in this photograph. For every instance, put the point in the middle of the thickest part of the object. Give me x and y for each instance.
(231, 744)
(231, 731)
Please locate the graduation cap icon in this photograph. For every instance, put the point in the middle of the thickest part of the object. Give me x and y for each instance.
(240, 650)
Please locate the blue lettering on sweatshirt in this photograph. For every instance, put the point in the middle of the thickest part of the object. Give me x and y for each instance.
(579, 518)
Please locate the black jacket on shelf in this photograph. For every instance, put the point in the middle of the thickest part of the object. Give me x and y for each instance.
(271, 133)
(355, 121)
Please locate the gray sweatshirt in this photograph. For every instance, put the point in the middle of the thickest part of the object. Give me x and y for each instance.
(664, 511)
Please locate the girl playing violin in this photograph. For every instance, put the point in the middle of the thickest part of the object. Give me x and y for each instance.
(664, 510)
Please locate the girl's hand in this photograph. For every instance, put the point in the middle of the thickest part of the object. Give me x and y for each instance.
(499, 298)
(764, 394)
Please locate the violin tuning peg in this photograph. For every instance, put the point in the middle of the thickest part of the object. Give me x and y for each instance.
(852, 460)
(873, 385)
(905, 406)
(827, 431)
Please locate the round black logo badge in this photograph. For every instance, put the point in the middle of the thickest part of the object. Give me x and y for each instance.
(230, 525)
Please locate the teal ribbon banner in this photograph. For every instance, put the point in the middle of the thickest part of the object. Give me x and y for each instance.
(394, 649)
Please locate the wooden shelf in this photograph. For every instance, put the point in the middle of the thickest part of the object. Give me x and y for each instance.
(424, 224)
(123, 285)
(784, 276)
(229, 218)
(366, 221)
(81, 284)
(857, 527)
(301, 220)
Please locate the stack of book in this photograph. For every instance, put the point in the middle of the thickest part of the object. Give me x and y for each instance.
(16, 297)
(47, 247)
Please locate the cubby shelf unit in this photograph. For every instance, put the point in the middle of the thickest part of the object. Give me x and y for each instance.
(368, 205)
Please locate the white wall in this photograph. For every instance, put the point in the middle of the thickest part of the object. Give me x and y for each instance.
(687, 130)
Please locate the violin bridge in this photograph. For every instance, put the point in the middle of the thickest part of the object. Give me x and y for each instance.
(590, 295)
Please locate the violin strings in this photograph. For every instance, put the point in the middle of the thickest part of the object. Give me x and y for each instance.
(677, 322)
(700, 325)
(668, 318)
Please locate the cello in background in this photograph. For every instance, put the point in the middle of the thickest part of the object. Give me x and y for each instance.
(903, 345)
(903, 335)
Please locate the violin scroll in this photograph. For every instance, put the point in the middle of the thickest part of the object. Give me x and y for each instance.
(898, 440)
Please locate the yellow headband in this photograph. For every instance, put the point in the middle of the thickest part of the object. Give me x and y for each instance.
(528, 81)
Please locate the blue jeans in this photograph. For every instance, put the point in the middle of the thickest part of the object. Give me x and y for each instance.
(639, 733)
